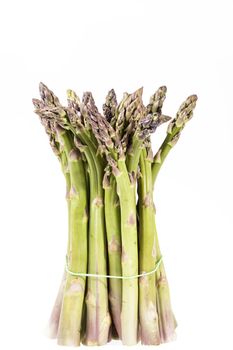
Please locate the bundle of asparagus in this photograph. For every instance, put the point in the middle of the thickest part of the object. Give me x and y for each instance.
(114, 284)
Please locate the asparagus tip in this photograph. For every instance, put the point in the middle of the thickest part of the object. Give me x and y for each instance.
(37, 103)
(162, 89)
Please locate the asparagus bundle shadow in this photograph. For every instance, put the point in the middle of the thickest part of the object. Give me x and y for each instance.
(110, 172)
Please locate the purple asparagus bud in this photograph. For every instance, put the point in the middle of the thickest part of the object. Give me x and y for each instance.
(183, 115)
(110, 106)
(38, 104)
(153, 117)
(130, 111)
(156, 100)
(185, 111)
(48, 96)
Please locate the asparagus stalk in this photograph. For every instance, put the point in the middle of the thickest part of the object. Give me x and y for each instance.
(98, 318)
(113, 226)
(129, 260)
(113, 231)
(49, 99)
(149, 323)
(163, 319)
(56, 311)
(167, 321)
(72, 307)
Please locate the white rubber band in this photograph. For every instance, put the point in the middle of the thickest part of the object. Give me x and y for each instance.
(112, 276)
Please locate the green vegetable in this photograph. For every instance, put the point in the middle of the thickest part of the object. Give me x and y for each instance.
(110, 173)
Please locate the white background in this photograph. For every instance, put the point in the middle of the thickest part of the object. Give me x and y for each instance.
(97, 45)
